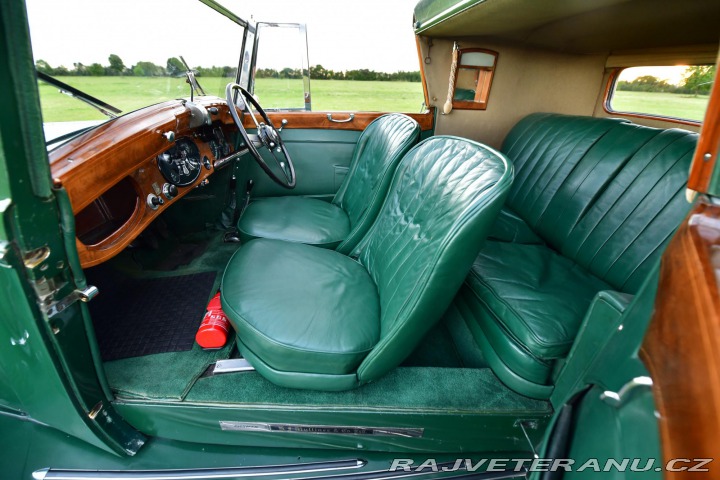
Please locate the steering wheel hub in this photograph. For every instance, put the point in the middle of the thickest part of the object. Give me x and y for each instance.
(267, 136)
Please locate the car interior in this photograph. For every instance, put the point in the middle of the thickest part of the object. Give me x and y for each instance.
(441, 275)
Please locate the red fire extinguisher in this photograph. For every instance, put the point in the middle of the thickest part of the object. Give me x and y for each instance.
(213, 331)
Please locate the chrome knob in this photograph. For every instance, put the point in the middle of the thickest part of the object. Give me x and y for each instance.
(170, 191)
(169, 136)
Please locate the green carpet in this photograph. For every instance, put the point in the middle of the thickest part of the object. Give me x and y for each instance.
(139, 263)
(163, 376)
(426, 389)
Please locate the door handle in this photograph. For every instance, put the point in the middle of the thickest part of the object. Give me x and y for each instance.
(349, 119)
(617, 399)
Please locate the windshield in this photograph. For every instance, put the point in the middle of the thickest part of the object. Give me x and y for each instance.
(127, 54)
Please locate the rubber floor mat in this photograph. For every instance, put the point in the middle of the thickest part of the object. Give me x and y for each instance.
(134, 318)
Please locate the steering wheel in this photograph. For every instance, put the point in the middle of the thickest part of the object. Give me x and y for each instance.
(267, 137)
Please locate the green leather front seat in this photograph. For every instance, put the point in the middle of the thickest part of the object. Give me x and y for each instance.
(316, 319)
(343, 222)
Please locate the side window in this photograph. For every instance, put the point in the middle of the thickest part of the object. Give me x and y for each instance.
(676, 92)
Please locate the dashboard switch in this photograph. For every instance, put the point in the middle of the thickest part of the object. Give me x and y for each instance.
(170, 191)
(153, 201)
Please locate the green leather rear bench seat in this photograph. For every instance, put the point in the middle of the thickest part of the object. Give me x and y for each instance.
(316, 319)
(343, 222)
(593, 204)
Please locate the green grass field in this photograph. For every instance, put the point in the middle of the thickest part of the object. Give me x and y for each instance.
(131, 93)
(665, 104)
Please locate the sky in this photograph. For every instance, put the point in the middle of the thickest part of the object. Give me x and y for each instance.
(342, 34)
(673, 75)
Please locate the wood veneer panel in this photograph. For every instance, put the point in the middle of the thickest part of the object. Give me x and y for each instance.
(127, 147)
(319, 120)
(682, 346)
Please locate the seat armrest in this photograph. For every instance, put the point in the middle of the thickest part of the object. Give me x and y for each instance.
(602, 317)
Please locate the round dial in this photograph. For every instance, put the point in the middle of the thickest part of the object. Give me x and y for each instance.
(181, 164)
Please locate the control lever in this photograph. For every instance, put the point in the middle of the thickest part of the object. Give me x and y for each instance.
(233, 236)
(248, 192)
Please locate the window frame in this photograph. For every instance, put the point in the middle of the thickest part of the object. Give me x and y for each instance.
(487, 80)
(610, 90)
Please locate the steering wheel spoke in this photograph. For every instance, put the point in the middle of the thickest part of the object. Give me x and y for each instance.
(282, 165)
(267, 136)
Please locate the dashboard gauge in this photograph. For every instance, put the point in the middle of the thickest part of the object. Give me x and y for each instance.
(180, 165)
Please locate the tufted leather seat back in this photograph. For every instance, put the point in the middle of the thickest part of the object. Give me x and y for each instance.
(443, 199)
(377, 153)
(604, 192)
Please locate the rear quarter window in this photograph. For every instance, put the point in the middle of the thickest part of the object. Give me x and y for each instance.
(677, 92)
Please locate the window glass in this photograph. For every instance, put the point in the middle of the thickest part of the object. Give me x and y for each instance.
(680, 92)
(359, 59)
(280, 69)
(133, 61)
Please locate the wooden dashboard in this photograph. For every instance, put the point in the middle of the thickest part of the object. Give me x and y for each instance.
(112, 174)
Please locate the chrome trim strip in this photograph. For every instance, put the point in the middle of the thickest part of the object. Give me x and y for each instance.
(320, 429)
(199, 473)
(232, 365)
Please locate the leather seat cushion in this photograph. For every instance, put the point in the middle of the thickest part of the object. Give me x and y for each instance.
(324, 324)
(533, 301)
(295, 219)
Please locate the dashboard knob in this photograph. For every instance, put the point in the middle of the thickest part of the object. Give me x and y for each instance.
(154, 201)
(169, 136)
(170, 191)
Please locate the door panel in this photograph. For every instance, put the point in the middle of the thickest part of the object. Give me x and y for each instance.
(627, 434)
(321, 150)
(316, 155)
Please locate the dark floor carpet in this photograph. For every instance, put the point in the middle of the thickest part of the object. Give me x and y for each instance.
(136, 317)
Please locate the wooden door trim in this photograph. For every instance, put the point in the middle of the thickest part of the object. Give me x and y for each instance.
(320, 120)
(681, 348)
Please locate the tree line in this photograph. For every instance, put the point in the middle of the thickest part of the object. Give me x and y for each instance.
(116, 67)
(174, 67)
(319, 72)
(697, 80)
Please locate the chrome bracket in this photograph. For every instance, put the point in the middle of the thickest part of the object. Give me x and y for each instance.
(232, 365)
(83, 295)
(35, 257)
(618, 399)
